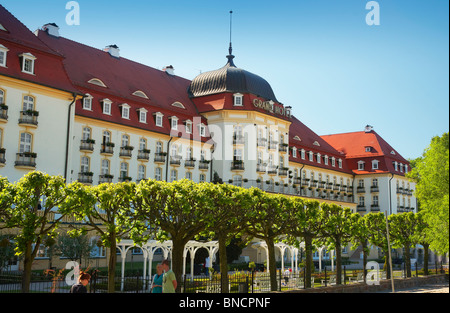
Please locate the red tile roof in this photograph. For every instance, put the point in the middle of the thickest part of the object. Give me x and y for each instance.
(18, 39)
(310, 141)
(122, 78)
(354, 144)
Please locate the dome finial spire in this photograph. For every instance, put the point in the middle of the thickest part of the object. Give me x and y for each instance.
(230, 55)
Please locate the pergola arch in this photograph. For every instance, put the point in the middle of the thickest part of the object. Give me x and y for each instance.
(150, 247)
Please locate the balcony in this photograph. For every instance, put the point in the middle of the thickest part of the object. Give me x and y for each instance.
(261, 142)
(360, 189)
(261, 168)
(272, 170)
(3, 113)
(360, 208)
(29, 118)
(375, 208)
(283, 147)
(204, 165)
(107, 148)
(126, 152)
(160, 157)
(124, 179)
(175, 160)
(273, 145)
(2, 156)
(189, 163)
(143, 155)
(238, 140)
(399, 190)
(86, 177)
(374, 189)
(26, 160)
(87, 145)
(105, 178)
(237, 165)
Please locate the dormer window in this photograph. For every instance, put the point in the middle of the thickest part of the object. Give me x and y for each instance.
(142, 115)
(159, 119)
(316, 143)
(202, 130)
(368, 149)
(96, 81)
(125, 111)
(87, 102)
(375, 164)
(311, 156)
(27, 61)
(178, 105)
(188, 126)
(3, 55)
(318, 158)
(325, 159)
(333, 161)
(139, 93)
(107, 106)
(238, 99)
(361, 165)
(174, 123)
(297, 138)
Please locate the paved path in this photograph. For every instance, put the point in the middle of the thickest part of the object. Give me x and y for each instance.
(435, 288)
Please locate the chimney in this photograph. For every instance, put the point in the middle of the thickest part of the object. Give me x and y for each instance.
(113, 50)
(368, 129)
(52, 29)
(169, 70)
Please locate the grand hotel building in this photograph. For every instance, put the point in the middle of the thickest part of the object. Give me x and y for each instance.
(91, 115)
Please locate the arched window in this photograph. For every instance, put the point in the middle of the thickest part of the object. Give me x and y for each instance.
(28, 103)
(26, 140)
(85, 164)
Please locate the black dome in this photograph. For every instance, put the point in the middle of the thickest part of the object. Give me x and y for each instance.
(230, 79)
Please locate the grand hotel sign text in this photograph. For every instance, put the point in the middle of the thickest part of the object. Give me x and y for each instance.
(272, 108)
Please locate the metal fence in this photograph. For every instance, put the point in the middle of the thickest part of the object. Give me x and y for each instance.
(239, 282)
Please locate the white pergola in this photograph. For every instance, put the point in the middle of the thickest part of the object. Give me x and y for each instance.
(149, 248)
(293, 252)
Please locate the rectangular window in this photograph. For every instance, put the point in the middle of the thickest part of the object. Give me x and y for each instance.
(87, 103)
(107, 107)
(143, 117)
(3, 54)
(158, 173)
(159, 120)
(174, 123)
(189, 127)
(126, 112)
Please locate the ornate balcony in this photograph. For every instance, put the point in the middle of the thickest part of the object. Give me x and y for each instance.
(204, 165)
(85, 178)
(2, 156)
(175, 160)
(107, 148)
(126, 152)
(237, 165)
(3, 113)
(105, 178)
(143, 155)
(26, 160)
(189, 163)
(29, 118)
(160, 157)
(87, 145)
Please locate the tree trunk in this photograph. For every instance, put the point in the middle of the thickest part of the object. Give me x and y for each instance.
(338, 263)
(223, 264)
(309, 261)
(27, 263)
(425, 258)
(177, 260)
(364, 246)
(112, 267)
(272, 266)
(407, 260)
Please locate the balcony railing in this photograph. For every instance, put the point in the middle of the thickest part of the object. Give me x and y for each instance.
(26, 159)
(3, 112)
(283, 147)
(261, 142)
(237, 165)
(29, 117)
(204, 165)
(273, 145)
(283, 171)
(175, 160)
(105, 178)
(189, 163)
(361, 208)
(272, 170)
(360, 189)
(261, 168)
(2, 156)
(160, 157)
(124, 179)
(143, 155)
(107, 148)
(87, 145)
(374, 189)
(126, 151)
(375, 208)
(85, 178)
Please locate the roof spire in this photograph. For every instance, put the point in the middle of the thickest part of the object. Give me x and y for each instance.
(230, 56)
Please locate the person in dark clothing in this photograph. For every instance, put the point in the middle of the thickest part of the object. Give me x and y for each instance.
(83, 281)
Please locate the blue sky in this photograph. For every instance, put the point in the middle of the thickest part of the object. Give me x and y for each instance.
(320, 56)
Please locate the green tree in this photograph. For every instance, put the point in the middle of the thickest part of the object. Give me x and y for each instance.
(403, 229)
(268, 219)
(337, 231)
(7, 191)
(176, 211)
(37, 197)
(224, 220)
(431, 174)
(360, 233)
(109, 215)
(376, 225)
(307, 224)
(75, 248)
(421, 237)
